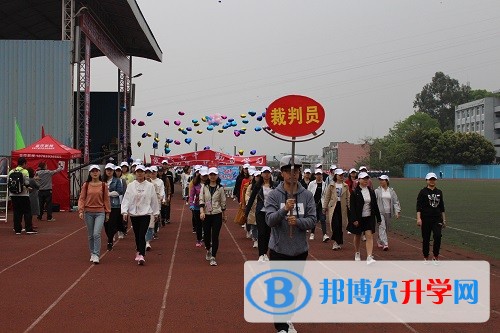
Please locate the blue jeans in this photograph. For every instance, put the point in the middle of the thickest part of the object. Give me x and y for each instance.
(94, 222)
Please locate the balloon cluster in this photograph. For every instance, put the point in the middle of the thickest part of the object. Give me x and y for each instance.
(223, 122)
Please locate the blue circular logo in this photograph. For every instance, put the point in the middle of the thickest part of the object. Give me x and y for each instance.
(289, 281)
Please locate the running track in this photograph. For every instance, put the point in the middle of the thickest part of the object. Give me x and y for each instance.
(48, 285)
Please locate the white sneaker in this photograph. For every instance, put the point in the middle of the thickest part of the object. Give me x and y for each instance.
(96, 259)
(255, 244)
(370, 260)
(357, 256)
(213, 262)
(148, 246)
(141, 260)
(266, 258)
(91, 258)
(363, 238)
(336, 246)
(311, 236)
(261, 258)
(120, 234)
(291, 329)
(325, 238)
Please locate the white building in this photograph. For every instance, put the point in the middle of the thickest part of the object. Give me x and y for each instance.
(481, 116)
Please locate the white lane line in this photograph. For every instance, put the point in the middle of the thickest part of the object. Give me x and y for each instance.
(40, 318)
(169, 276)
(458, 229)
(35, 253)
(236, 243)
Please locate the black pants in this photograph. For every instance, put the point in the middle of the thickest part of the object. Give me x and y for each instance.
(115, 218)
(45, 202)
(431, 225)
(165, 212)
(22, 208)
(263, 233)
(337, 234)
(320, 217)
(211, 228)
(140, 225)
(198, 226)
(273, 255)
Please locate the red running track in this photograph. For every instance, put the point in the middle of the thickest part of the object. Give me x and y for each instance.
(48, 285)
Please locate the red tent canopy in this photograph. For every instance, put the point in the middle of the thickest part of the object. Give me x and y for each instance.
(51, 151)
(48, 147)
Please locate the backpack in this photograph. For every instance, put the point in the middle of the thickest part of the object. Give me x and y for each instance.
(16, 181)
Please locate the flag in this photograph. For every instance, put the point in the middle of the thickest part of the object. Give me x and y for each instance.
(18, 139)
(43, 132)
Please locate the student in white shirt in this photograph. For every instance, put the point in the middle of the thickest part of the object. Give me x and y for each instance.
(389, 206)
(140, 203)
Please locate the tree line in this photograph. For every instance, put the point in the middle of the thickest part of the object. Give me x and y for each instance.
(427, 136)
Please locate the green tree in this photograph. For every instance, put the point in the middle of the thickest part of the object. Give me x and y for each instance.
(480, 94)
(474, 149)
(439, 99)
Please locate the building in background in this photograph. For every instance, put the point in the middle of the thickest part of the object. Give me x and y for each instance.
(483, 117)
(345, 155)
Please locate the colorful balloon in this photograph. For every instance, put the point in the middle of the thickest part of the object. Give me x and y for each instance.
(177, 123)
(243, 115)
(167, 150)
(155, 145)
(199, 131)
(206, 148)
(149, 114)
(221, 131)
(181, 113)
(141, 123)
(245, 121)
(196, 124)
(157, 139)
(252, 113)
(148, 134)
(241, 151)
(144, 135)
(133, 121)
(139, 143)
(258, 129)
(223, 116)
(166, 122)
(189, 129)
(169, 140)
(234, 123)
(177, 142)
(194, 121)
(210, 127)
(259, 118)
(184, 132)
(253, 151)
(236, 133)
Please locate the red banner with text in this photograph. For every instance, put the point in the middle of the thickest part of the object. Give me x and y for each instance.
(209, 158)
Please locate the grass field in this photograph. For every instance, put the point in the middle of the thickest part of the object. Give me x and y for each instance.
(472, 212)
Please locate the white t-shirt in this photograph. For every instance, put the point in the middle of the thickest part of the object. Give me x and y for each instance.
(338, 187)
(386, 201)
(367, 211)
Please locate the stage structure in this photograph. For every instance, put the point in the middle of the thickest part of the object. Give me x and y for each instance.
(112, 28)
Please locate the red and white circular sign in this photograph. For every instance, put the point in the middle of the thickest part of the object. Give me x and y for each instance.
(295, 115)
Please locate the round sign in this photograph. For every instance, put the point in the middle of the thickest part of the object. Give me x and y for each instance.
(295, 115)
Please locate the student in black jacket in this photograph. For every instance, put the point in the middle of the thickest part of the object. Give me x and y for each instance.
(364, 213)
(430, 216)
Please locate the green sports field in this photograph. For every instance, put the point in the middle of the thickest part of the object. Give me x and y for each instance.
(472, 212)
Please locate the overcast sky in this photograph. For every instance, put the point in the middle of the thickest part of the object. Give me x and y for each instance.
(364, 61)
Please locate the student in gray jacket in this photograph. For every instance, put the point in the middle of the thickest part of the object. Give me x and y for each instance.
(290, 212)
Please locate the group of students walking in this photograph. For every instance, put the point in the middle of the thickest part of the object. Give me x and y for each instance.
(112, 199)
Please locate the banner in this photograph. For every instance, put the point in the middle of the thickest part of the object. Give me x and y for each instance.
(209, 158)
(228, 175)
